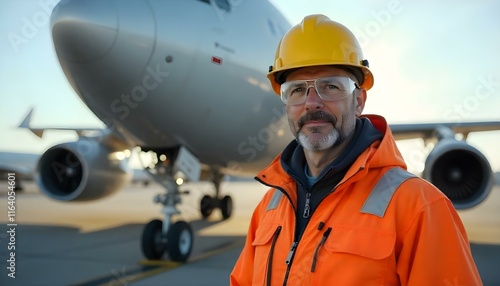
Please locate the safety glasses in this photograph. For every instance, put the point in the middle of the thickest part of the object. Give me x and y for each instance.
(330, 88)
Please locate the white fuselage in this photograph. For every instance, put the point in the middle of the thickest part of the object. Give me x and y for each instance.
(179, 72)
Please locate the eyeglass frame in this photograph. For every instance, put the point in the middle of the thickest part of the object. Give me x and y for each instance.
(313, 84)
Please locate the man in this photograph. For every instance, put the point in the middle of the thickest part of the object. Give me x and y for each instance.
(342, 209)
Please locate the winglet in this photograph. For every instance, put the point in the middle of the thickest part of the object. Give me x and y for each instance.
(27, 120)
(27, 124)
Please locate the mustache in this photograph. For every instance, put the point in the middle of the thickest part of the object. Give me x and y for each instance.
(316, 116)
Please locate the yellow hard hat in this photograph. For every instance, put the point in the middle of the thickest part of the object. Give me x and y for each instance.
(317, 41)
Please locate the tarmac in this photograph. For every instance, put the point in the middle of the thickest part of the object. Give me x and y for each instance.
(98, 243)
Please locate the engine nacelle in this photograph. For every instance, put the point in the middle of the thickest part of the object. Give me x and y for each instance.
(460, 171)
(84, 170)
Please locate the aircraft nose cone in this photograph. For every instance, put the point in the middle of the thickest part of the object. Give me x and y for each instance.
(84, 31)
(104, 41)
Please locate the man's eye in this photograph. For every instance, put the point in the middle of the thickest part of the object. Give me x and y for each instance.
(296, 91)
(332, 86)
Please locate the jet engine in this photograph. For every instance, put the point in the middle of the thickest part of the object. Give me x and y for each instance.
(84, 170)
(460, 171)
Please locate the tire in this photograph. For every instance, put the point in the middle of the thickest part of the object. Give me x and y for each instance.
(226, 207)
(153, 242)
(206, 206)
(180, 241)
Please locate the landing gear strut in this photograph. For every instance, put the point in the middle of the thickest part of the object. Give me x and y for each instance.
(208, 203)
(159, 236)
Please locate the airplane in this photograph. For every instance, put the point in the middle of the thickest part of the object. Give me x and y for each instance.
(185, 81)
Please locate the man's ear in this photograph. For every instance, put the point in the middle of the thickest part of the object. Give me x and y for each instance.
(360, 101)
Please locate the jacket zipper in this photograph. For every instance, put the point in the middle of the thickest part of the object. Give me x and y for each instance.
(307, 207)
(271, 253)
(289, 259)
(321, 243)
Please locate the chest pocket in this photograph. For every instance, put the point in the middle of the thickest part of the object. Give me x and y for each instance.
(264, 234)
(368, 243)
(353, 255)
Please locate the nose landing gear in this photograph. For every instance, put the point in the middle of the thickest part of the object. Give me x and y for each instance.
(175, 238)
(178, 242)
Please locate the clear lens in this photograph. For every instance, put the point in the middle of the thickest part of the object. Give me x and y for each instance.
(328, 88)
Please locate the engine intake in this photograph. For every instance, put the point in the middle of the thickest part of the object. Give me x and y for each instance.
(81, 171)
(460, 171)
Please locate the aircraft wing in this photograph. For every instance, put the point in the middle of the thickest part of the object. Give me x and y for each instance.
(107, 136)
(428, 130)
(26, 124)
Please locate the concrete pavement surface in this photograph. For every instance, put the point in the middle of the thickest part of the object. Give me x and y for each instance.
(98, 243)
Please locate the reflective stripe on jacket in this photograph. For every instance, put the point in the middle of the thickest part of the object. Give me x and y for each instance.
(380, 226)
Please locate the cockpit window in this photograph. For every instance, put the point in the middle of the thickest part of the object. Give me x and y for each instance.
(221, 4)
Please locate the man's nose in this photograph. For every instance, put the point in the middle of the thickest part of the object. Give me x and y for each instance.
(313, 100)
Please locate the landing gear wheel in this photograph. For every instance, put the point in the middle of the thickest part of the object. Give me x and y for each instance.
(226, 207)
(206, 206)
(153, 241)
(180, 241)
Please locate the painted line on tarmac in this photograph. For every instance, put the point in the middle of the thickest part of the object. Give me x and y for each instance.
(148, 268)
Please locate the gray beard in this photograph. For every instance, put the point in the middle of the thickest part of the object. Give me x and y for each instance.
(332, 139)
(329, 140)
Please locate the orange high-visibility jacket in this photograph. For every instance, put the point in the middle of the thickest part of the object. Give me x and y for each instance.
(398, 230)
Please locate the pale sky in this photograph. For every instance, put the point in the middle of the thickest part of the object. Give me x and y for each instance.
(432, 61)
